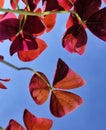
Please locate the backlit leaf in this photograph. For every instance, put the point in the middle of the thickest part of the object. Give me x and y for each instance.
(30, 55)
(66, 78)
(62, 103)
(75, 39)
(38, 88)
(13, 4)
(8, 28)
(85, 8)
(34, 123)
(23, 43)
(1, 3)
(13, 125)
(97, 24)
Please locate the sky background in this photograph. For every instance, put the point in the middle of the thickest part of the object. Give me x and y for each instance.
(91, 115)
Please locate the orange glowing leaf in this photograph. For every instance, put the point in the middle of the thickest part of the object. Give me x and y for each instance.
(38, 88)
(1, 3)
(63, 102)
(13, 125)
(34, 123)
(30, 55)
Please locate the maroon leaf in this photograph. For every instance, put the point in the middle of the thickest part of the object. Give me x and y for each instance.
(34, 123)
(39, 89)
(85, 8)
(13, 125)
(75, 39)
(33, 25)
(97, 24)
(23, 43)
(8, 28)
(62, 103)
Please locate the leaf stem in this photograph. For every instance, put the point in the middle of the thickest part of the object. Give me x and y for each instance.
(25, 68)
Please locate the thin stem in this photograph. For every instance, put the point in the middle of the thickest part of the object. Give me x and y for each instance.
(25, 68)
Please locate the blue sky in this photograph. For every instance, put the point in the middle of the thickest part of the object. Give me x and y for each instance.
(91, 115)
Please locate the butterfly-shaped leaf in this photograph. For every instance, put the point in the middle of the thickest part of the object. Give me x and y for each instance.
(35, 123)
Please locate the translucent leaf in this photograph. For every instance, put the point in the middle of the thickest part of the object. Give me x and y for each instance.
(62, 103)
(1, 3)
(13, 4)
(39, 90)
(23, 43)
(85, 8)
(8, 28)
(97, 24)
(49, 21)
(34, 123)
(75, 39)
(66, 78)
(13, 125)
(32, 54)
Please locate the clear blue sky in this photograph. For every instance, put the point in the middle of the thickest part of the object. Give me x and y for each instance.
(91, 66)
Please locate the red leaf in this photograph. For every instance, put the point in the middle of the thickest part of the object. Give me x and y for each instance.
(49, 21)
(33, 25)
(13, 125)
(38, 88)
(23, 43)
(2, 86)
(62, 102)
(13, 4)
(34, 123)
(97, 24)
(32, 54)
(66, 78)
(85, 8)
(75, 39)
(1, 3)
(104, 1)
(1, 57)
(8, 28)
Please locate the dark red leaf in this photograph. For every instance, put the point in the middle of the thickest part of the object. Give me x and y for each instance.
(75, 39)
(13, 4)
(34, 123)
(62, 103)
(1, 57)
(33, 25)
(85, 8)
(66, 78)
(8, 28)
(23, 43)
(51, 5)
(97, 24)
(39, 89)
(30, 55)
(13, 125)
(2, 86)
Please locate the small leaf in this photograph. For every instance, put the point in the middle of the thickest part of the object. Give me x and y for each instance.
(66, 78)
(97, 24)
(30, 55)
(1, 57)
(38, 88)
(2, 86)
(13, 4)
(34, 123)
(75, 39)
(1, 3)
(62, 103)
(13, 125)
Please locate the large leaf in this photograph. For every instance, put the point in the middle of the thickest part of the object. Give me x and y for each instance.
(30, 55)
(38, 87)
(85, 8)
(97, 24)
(23, 43)
(75, 39)
(34, 123)
(66, 78)
(62, 103)
(13, 125)
(8, 28)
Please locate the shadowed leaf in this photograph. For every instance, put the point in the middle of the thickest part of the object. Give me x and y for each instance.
(97, 24)
(13, 125)
(30, 55)
(62, 102)
(34, 123)
(39, 89)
